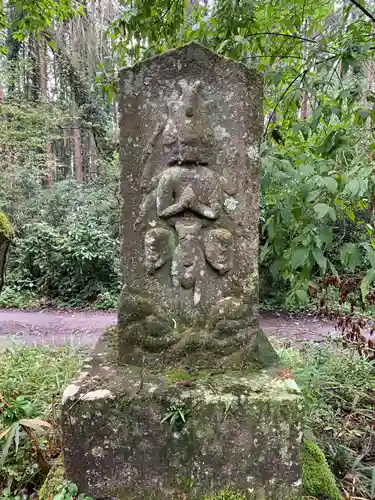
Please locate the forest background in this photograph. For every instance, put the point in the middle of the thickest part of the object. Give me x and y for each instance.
(59, 139)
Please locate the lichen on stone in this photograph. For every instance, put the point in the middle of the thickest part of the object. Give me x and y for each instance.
(317, 477)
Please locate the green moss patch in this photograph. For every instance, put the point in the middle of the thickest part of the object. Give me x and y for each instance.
(5, 226)
(53, 481)
(184, 374)
(317, 477)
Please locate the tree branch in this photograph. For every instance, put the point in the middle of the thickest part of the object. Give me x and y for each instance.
(297, 37)
(364, 10)
(300, 75)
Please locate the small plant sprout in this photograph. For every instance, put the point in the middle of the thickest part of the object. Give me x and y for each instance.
(175, 415)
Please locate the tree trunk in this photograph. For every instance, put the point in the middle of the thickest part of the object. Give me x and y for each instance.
(78, 153)
(4, 247)
(93, 106)
(50, 165)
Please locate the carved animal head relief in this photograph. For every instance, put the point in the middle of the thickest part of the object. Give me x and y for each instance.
(188, 134)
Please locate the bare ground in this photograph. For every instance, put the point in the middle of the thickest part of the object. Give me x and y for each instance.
(83, 328)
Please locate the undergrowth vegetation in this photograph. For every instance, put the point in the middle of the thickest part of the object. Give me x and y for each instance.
(339, 390)
(31, 381)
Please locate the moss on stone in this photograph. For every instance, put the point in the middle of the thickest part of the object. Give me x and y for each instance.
(317, 477)
(228, 495)
(53, 481)
(180, 375)
(6, 229)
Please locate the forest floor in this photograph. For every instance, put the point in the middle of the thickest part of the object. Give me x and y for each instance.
(84, 327)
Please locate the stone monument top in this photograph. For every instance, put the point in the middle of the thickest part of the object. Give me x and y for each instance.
(191, 125)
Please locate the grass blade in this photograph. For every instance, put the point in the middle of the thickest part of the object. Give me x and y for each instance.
(6, 447)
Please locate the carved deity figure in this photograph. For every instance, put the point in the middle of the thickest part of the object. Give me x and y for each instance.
(188, 196)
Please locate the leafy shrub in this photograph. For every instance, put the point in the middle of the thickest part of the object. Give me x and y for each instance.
(67, 246)
(75, 265)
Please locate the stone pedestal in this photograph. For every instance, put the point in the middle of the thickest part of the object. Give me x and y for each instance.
(133, 434)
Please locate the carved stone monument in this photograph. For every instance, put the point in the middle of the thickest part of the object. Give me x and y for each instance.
(184, 398)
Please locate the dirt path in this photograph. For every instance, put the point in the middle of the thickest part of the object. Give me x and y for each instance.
(83, 328)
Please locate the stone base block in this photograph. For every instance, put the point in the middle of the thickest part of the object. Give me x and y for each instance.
(133, 434)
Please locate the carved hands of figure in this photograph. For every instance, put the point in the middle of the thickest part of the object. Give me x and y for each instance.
(181, 189)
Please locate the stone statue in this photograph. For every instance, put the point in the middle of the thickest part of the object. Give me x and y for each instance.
(184, 398)
(190, 222)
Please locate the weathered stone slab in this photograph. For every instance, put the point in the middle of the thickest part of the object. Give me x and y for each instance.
(191, 125)
(241, 431)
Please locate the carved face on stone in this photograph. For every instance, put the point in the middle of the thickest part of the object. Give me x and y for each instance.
(218, 249)
(188, 134)
(158, 248)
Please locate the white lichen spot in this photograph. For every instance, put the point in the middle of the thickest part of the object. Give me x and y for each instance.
(99, 394)
(152, 223)
(97, 451)
(230, 204)
(201, 273)
(197, 297)
(253, 153)
(220, 133)
(69, 392)
(291, 385)
(82, 375)
(298, 482)
(176, 435)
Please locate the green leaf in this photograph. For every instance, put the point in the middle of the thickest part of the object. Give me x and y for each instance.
(299, 257)
(352, 187)
(306, 170)
(313, 195)
(264, 251)
(363, 113)
(351, 215)
(350, 256)
(330, 183)
(321, 209)
(302, 296)
(366, 283)
(320, 259)
(333, 268)
(370, 253)
(7, 445)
